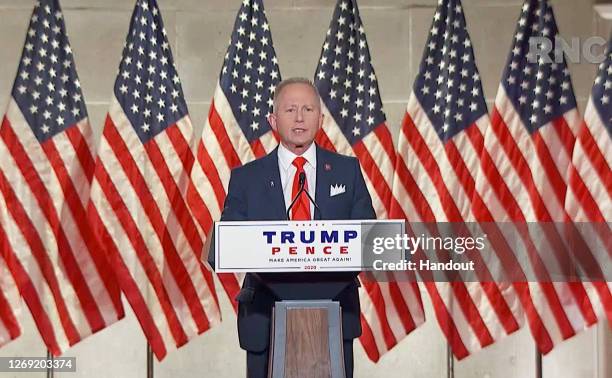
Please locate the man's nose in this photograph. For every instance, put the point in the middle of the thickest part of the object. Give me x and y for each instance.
(299, 115)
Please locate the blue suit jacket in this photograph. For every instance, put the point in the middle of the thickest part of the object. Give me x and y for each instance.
(255, 193)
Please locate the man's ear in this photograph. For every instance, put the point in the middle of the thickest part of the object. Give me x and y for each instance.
(272, 121)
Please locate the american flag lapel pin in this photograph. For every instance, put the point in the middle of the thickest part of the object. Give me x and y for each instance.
(327, 167)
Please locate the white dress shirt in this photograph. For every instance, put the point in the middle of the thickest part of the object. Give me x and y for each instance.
(288, 170)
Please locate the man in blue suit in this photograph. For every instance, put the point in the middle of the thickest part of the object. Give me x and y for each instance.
(264, 190)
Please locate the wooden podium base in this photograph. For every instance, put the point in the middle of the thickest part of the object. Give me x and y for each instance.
(306, 340)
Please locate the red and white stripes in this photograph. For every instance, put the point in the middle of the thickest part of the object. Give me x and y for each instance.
(590, 181)
(139, 208)
(389, 310)
(222, 147)
(589, 198)
(525, 175)
(62, 275)
(435, 182)
(10, 306)
(376, 156)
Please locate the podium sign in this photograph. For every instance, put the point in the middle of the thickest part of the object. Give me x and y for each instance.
(295, 246)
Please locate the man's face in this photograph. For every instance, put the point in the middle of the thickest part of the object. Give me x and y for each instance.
(297, 117)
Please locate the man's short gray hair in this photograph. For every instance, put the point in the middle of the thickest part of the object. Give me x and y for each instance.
(289, 81)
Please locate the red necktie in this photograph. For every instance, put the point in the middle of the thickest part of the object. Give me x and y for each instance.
(301, 208)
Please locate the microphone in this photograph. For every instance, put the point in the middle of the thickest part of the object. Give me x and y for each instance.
(301, 182)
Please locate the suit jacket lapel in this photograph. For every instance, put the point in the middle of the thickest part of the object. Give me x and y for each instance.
(273, 181)
(324, 174)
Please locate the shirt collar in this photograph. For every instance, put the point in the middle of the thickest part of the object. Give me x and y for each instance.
(286, 157)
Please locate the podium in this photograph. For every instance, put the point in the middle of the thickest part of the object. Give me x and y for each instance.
(305, 265)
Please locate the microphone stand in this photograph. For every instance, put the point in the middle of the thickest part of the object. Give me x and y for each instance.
(301, 183)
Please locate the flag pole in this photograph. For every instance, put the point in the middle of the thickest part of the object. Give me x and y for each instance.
(149, 361)
(450, 362)
(538, 363)
(49, 369)
(604, 349)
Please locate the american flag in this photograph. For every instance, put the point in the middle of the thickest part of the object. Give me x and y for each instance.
(525, 159)
(10, 308)
(138, 204)
(354, 124)
(589, 190)
(46, 167)
(236, 131)
(438, 151)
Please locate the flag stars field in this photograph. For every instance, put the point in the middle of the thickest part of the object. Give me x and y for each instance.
(139, 85)
(451, 58)
(548, 83)
(33, 89)
(249, 66)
